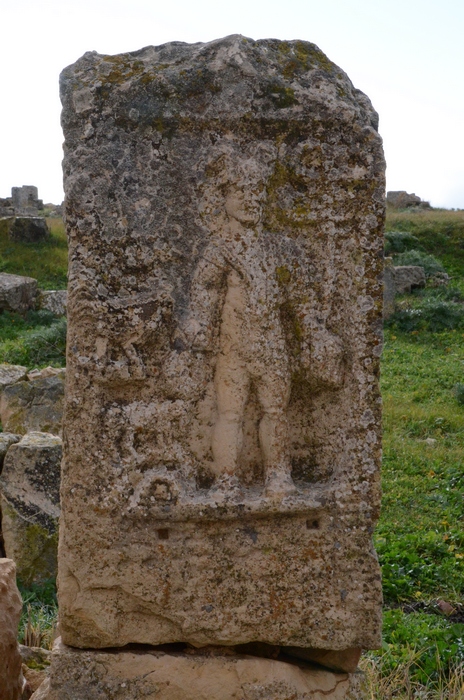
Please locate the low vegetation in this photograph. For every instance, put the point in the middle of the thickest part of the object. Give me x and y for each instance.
(47, 261)
(420, 536)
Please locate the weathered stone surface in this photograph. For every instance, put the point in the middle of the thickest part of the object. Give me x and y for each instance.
(54, 301)
(25, 200)
(42, 691)
(35, 405)
(224, 205)
(36, 662)
(408, 277)
(11, 679)
(402, 200)
(46, 372)
(17, 293)
(388, 288)
(30, 486)
(29, 229)
(6, 440)
(87, 675)
(10, 374)
(6, 208)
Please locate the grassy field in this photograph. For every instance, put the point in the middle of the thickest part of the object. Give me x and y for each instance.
(38, 339)
(420, 536)
(47, 262)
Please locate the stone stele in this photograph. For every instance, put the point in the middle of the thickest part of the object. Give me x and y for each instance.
(224, 206)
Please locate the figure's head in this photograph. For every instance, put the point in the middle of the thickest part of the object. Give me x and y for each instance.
(243, 205)
(235, 184)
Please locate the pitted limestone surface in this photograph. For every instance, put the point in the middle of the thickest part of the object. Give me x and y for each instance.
(224, 205)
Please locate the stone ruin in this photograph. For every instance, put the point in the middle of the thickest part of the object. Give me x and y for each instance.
(400, 199)
(26, 200)
(22, 210)
(220, 480)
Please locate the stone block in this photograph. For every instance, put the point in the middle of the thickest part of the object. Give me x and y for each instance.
(11, 679)
(54, 301)
(17, 293)
(35, 405)
(402, 200)
(408, 277)
(225, 207)
(10, 374)
(30, 487)
(26, 200)
(6, 440)
(131, 675)
(36, 662)
(29, 229)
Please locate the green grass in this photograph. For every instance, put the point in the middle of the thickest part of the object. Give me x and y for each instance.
(420, 535)
(36, 340)
(39, 616)
(47, 262)
(440, 232)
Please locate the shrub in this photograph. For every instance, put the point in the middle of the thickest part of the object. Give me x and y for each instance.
(433, 315)
(416, 257)
(36, 341)
(459, 393)
(399, 241)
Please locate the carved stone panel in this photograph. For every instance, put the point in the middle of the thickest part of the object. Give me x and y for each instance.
(224, 206)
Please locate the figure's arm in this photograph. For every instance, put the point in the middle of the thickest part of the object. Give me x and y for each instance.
(204, 298)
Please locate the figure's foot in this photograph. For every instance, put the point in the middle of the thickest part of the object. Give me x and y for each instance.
(279, 483)
(227, 487)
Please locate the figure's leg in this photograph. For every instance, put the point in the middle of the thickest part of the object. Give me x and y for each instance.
(232, 385)
(274, 394)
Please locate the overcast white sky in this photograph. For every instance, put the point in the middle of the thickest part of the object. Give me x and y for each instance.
(407, 55)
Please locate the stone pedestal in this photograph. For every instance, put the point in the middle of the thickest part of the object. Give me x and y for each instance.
(189, 675)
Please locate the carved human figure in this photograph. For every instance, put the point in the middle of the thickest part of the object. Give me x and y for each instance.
(236, 288)
(252, 348)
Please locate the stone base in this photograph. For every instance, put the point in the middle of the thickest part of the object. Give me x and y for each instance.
(177, 675)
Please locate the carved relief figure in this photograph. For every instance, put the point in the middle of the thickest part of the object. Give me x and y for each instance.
(236, 289)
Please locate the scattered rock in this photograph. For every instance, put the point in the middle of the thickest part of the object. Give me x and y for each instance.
(54, 301)
(402, 200)
(430, 441)
(29, 229)
(439, 279)
(11, 678)
(46, 372)
(17, 293)
(30, 485)
(36, 662)
(6, 440)
(408, 277)
(34, 405)
(10, 374)
(99, 674)
(445, 607)
(6, 208)
(35, 657)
